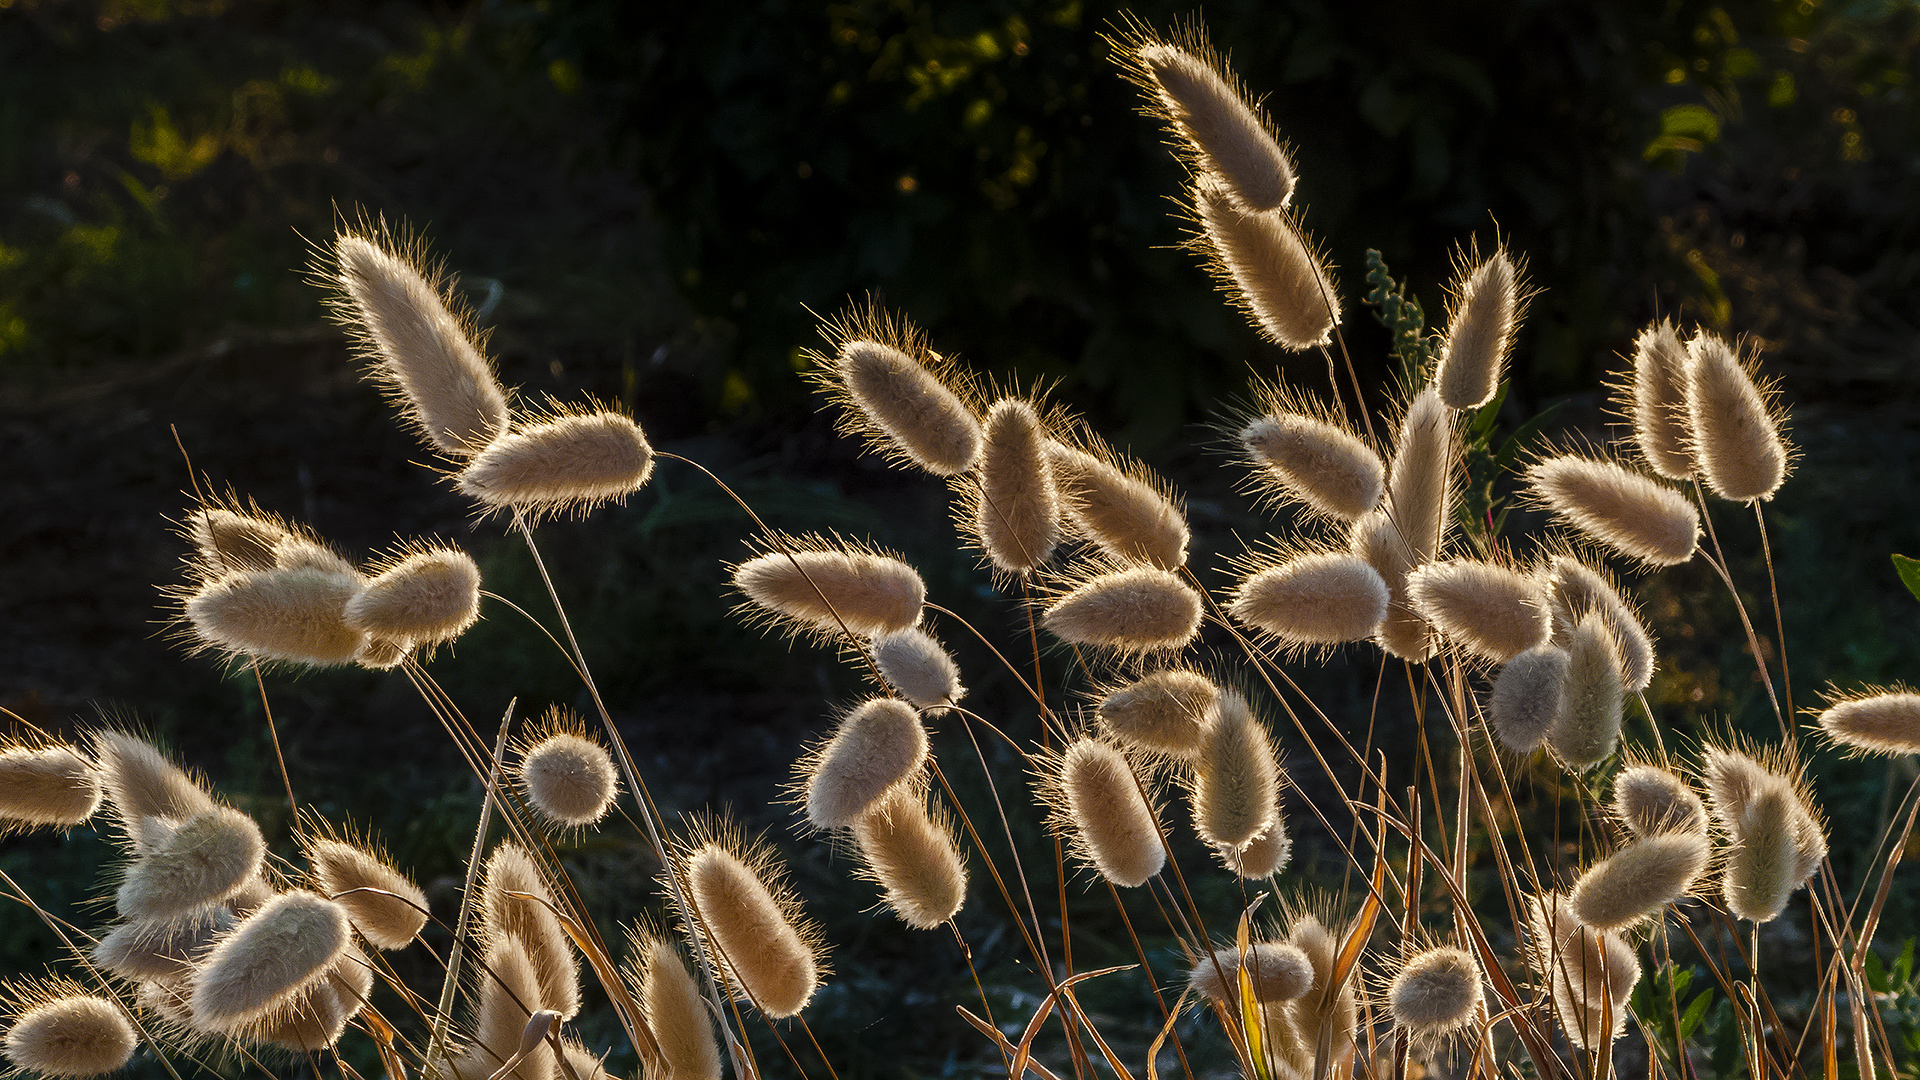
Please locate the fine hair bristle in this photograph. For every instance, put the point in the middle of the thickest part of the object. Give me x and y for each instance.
(46, 785)
(430, 594)
(1529, 697)
(1774, 838)
(821, 587)
(1125, 512)
(160, 948)
(1658, 387)
(1575, 589)
(1264, 856)
(898, 394)
(877, 747)
(1236, 778)
(1278, 971)
(1162, 711)
(509, 994)
(1875, 721)
(225, 539)
(1486, 308)
(1649, 800)
(204, 860)
(909, 851)
(383, 654)
(63, 1032)
(1217, 127)
(140, 783)
(1638, 881)
(423, 353)
(1138, 610)
(1017, 516)
(1634, 515)
(579, 1063)
(1315, 461)
(1735, 430)
(1590, 972)
(317, 1017)
(1267, 266)
(915, 665)
(387, 908)
(1319, 598)
(567, 461)
(1100, 806)
(568, 777)
(744, 918)
(1492, 611)
(1436, 992)
(1421, 480)
(296, 615)
(270, 957)
(1402, 633)
(532, 922)
(301, 550)
(1589, 725)
(675, 1012)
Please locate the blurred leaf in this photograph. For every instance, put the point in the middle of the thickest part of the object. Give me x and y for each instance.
(1909, 571)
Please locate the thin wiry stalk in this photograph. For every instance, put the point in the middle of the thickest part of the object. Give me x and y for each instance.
(1779, 623)
(443, 1012)
(1746, 624)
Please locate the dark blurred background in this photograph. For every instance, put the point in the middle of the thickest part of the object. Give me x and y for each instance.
(654, 203)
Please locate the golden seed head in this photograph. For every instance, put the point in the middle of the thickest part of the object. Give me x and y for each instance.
(569, 778)
(1774, 838)
(425, 596)
(1591, 972)
(1630, 513)
(201, 862)
(565, 462)
(1161, 711)
(1323, 598)
(824, 589)
(510, 1003)
(1219, 128)
(226, 540)
(160, 948)
(1480, 324)
(1421, 481)
(917, 667)
(1638, 881)
(1127, 513)
(1017, 516)
(1589, 725)
(141, 784)
(1278, 970)
(1103, 809)
(768, 959)
(1436, 993)
(1269, 268)
(530, 922)
(675, 1013)
(1529, 697)
(1876, 722)
(1492, 611)
(906, 404)
(73, 1034)
(877, 747)
(1574, 589)
(1649, 801)
(1236, 778)
(1402, 633)
(909, 851)
(1736, 432)
(387, 909)
(46, 785)
(1659, 406)
(269, 958)
(1264, 856)
(1138, 610)
(1317, 462)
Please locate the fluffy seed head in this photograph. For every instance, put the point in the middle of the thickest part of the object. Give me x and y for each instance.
(297, 615)
(273, 954)
(1224, 133)
(1436, 993)
(870, 593)
(1102, 808)
(1018, 512)
(1529, 697)
(1589, 726)
(425, 596)
(879, 746)
(767, 959)
(1490, 610)
(676, 1013)
(1127, 514)
(226, 540)
(160, 948)
(361, 881)
(1269, 268)
(70, 1035)
(1319, 463)
(509, 997)
(1649, 801)
(1335, 1009)
(909, 851)
(1591, 972)
(1420, 482)
(46, 785)
(569, 778)
(532, 923)
(1278, 970)
(1161, 711)
(918, 416)
(141, 784)
(568, 461)
(1876, 722)
(1637, 881)
(1628, 512)
(1480, 325)
(1659, 405)
(1575, 589)
(1736, 436)
(383, 654)
(1402, 633)
(916, 666)
(205, 860)
(317, 1017)
(420, 350)
(1775, 841)
(1130, 610)
(1264, 856)
(1323, 598)
(1236, 779)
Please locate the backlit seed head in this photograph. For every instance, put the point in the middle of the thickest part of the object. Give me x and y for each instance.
(160, 948)
(268, 959)
(1266, 265)
(1264, 856)
(141, 784)
(1436, 993)
(57, 1029)
(297, 615)
(1334, 1009)
(1774, 837)
(1133, 611)
(1875, 721)
(568, 460)
(877, 747)
(820, 585)
(1162, 711)
(1634, 515)
(915, 665)
(908, 850)
(1529, 697)
(424, 354)
(1487, 302)
(1278, 970)
(201, 862)
(1492, 611)
(531, 922)
(383, 654)
(1638, 881)
(1650, 800)
(1734, 422)
(1320, 598)
(675, 1012)
(579, 1063)
(423, 595)
(46, 785)
(1315, 461)
(509, 993)
(1402, 633)
(1589, 726)
(1658, 405)
(1016, 511)
(387, 909)
(1422, 479)
(565, 774)
(904, 399)
(1236, 778)
(1590, 972)
(317, 1017)
(748, 919)
(1573, 590)
(1121, 508)
(227, 537)
(1215, 125)
(301, 550)
(1100, 805)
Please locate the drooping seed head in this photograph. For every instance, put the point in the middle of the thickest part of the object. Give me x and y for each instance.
(1436, 993)
(1659, 401)
(531, 922)
(909, 851)
(822, 589)
(1736, 434)
(1127, 513)
(1650, 801)
(568, 777)
(1638, 881)
(1161, 711)
(1480, 324)
(1574, 589)
(1267, 266)
(1875, 722)
(1218, 127)
(226, 540)
(877, 747)
(427, 595)
(768, 958)
(1264, 856)
(1315, 461)
(1138, 610)
(387, 909)
(1490, 610)
(675, 1013)
(1402, 633)
(141, 784)
(564, 462)
(1529, 697)
(160, 948)
(418, 348)
(1017, 516)
(1590, 972)
(58, 1030)
(202, 862)
(917, 667)
(905, 406)
(1279, 971)
(1589, 726)
(46, 785)
(1101, 806)
(297, 615)
(1630, 513)
(1236, 779)
(1322, 598)
(270, 957)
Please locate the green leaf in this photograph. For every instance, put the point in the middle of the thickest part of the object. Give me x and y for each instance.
(1904, 965)
(1696, 1011)
(1876, 973)
(1909, 571)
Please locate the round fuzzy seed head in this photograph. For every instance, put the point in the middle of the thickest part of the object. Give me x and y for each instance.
(1736, 437)
(1319, 599)
(1236, 780)
(1881, 723)
(918, 415)
(1574, 589)
(72, 1035)
(569, 778)
(205, 860)
(821, 590)
(264, 962)
(298, 615)
(421, 352)
(160, 948)
(677, 1014)
(1279, 972)
(1420, 481)
(360, 881)
(1633, 515)
(1264, 856)
(1403, 634)
(1637, 881)
(1131, 610)
(1223, 132)
(1436, 993)
(1018, 516)
(916, 666)
(1589, 726)
(1659, 406)
(570, 462)
(878, 747)
(140, 783)
(768, 960)
(1649, 801)
(910, 853)
(1268, 266)
(225, 540)
(1107, 815)
(428, 596)
(1529, 698)
(1161, 711)
(1491, 611)
(1128, 516)
(1321, 464)
(532, 923)
(1486, 307)
(46, 785)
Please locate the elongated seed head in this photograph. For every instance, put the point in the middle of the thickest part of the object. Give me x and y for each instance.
(1882, 722)
(1630, 513)
(1279, 971)
(1437, 992)
(1659, 405)
(1574, 589)
(1264, 856)
(1127, 514)
(205, 860)
(1529, 697)
(141, 784)
(531, 922)
(1421, 483)
(1650, 800)
(1402, 633)
(317, 1017)
(569, 778)
(382, 904)
(917, 667)
(768, 959)
(579, 1063)
(226, 540)
(1590, 972)
(1638, 881)
(877, 747)
(383, 654)
(297, 615)
(676, 1013)
(909, 851)
(1236, 779)
(425, 596)
(565, 462)
(1323, 598)
(1104, 811)
(1162, 711)
(1267, 265)
(418, 348)
(1490, 610)
(46, 785)
(823, 589)
(1329, 1008)
(70, 1035)
(1736, 435)
(1589, 726)
(1138, 610)
(160, 948)
(264, 962)
(1218, 127)
(1017, 515)
(510, 1000)
(1316, 462)
(918, 415)
(1774, 838)
(1480, 324)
